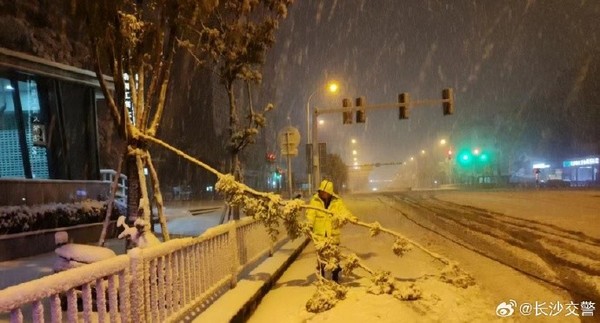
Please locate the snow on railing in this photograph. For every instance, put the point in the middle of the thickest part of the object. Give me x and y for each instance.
(160, 283)
(61, 291)
(261, 246)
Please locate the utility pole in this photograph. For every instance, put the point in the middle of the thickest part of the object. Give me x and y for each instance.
(289, 139)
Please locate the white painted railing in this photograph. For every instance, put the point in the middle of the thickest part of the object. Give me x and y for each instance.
(109, 278)
(108, 175)
(173, 281)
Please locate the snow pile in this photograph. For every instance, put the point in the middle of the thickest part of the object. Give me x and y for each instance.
(17, 219)
(139, 233)
(452, 274)
(326, 296)
(73, 255)
(61, 238)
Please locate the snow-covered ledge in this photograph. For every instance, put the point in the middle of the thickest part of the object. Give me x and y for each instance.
(27, 244)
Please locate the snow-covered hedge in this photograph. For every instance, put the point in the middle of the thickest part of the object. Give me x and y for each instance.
(23, 218)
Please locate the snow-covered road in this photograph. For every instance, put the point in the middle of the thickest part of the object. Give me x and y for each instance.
(534, 247)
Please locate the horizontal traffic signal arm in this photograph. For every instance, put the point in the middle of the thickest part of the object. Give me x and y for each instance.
(395, 105)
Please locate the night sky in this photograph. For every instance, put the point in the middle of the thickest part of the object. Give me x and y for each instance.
(525, 74)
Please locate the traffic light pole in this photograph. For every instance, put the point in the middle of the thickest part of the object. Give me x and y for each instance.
(315, 152)
(289, 167)
(447, 102)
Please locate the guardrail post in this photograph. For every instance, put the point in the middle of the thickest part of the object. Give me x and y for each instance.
(138, 292)
(235, 256)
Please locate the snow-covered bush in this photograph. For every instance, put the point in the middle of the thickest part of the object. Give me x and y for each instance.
(326, 296)
(23, 218)
(139, 234)
(452, 274)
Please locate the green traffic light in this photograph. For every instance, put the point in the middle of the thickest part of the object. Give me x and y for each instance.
(464, 158)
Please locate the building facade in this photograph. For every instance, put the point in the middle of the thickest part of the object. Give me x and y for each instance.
(48, 130)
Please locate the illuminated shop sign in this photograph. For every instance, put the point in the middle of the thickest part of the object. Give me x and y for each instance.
(128, 101)
(582, 162)
(541, 166)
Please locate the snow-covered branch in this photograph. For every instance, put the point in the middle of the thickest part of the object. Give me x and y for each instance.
(272, 209)
(399, 247)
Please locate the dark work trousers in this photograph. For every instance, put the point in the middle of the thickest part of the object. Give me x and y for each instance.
(335, 274)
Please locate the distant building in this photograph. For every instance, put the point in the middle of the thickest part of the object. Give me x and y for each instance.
(582, 171)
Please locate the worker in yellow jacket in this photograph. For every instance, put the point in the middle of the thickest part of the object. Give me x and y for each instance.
(324, 224)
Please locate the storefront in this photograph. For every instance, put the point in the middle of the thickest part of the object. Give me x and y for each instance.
(48, 123)
(582, 172)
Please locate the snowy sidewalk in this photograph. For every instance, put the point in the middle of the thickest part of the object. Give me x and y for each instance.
(191, 218)
(237, 303)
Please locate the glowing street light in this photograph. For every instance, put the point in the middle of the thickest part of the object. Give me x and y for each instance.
(354, 152)
(332, 87)
(443, 142)
(353, 140)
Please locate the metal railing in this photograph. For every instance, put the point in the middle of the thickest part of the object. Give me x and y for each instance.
(168, 282)
(108, 175)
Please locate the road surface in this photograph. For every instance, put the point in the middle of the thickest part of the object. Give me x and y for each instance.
(534, 247)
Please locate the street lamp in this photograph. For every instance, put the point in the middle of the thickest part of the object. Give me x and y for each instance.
(332, 87)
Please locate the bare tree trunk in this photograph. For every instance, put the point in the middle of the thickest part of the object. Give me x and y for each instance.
(234, 212)
(144, 198)
(159, 200)
(133, 189)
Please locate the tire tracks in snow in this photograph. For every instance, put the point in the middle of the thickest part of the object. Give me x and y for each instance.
(560, 257)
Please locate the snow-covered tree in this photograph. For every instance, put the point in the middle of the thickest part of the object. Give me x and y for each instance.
(134, 42)
(335, 170)
(235, 41)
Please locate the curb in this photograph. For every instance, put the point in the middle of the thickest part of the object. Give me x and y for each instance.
(238, 304)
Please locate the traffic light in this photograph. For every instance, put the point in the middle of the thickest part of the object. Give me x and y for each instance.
(464, 158)
(448, 101)
(347, 114)
(277, 174)
(484, 158)
(404, 101)
(473, 157)
(361, 113)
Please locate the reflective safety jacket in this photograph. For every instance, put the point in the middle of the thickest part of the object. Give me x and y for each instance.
(321, 222)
